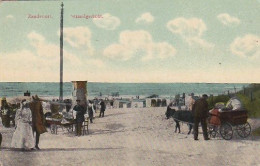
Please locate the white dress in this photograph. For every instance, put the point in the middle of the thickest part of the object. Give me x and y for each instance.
(23, 135)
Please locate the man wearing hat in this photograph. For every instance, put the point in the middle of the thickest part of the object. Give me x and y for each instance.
(200, 113)
(80, 111)
(38, 119)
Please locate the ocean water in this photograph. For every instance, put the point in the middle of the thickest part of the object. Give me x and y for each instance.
(51, 89)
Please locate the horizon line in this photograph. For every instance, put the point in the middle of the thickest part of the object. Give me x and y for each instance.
(135, 82)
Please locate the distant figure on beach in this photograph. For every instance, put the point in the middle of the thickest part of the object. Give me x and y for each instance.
(191, 102)
(5, 113)
(91, 111)
(38, 119)
(80, 111)
(23, 135)
(200, 113)
(68, 104)
(103, 108)
(112, 103)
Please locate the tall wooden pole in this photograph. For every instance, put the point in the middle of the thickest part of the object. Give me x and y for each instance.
(61, 54)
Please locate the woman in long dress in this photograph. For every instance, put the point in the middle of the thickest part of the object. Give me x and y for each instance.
(23, 135)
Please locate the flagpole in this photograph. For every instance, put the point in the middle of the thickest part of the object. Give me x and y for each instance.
(61, 55)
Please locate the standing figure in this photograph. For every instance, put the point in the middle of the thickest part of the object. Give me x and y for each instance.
(200, 112)
(23, 135)
(38, 119)
(103, 108)
(91, 111)
(191, 102)
(5, 113)
(80, 111)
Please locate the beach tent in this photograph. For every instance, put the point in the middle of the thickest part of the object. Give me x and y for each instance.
(137, 104)
(159, 103)
(121, 103)
(153, 103)
(148, 102)
(164, 103)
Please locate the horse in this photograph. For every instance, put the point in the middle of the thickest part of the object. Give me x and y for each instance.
(184, 116)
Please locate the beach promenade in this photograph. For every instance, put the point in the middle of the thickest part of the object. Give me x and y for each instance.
(134, 136)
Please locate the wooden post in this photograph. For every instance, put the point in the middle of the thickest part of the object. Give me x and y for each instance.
(183, 96)
(61, 56)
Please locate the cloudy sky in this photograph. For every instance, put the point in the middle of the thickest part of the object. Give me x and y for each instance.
(133, 41)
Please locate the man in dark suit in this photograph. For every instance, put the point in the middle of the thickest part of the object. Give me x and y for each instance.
(79, 117)
(200, 112)
(38, 119)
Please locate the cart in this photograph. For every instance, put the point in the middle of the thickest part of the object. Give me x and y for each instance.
(227, 122)
(54, 123)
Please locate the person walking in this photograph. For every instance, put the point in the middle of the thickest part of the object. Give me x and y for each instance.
(38, 119)
(200, 113)
(80, 111)
(103, 108)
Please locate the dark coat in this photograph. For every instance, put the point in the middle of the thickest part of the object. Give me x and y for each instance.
(38, 118)
(90, 112)
(103, 106)
(200, 108)
(80, 113)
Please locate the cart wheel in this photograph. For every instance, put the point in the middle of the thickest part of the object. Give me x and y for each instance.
(212, 131)
(244, 130)
(226, 131)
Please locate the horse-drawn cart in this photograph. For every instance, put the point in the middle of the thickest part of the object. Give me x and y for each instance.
(226, 122)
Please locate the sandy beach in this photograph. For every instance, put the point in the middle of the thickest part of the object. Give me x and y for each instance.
(135, 136)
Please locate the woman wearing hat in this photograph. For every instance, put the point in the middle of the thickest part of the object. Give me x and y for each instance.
(23, 135)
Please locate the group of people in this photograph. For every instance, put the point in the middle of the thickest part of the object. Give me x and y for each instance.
(81, 113)
(30, 124)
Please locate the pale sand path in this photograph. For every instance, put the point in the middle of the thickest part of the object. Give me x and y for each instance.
(133, 137)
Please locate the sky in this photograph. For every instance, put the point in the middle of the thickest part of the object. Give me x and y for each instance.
(164, 41)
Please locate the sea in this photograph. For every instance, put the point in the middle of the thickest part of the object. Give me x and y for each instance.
(97, 89)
